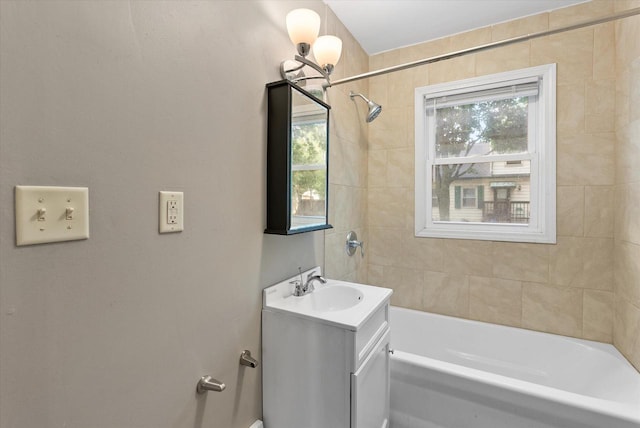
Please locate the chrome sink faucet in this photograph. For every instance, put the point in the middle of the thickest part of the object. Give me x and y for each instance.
(306, 287)
(309, 284)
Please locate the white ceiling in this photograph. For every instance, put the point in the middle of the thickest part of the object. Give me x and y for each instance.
(382, 25)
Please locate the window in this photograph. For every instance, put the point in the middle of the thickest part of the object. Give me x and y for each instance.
(485, 157)
(469, 198)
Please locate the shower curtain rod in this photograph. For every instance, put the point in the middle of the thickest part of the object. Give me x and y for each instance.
(615, 16)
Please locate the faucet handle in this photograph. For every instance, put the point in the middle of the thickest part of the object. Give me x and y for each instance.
(353, 243)
(298, 287)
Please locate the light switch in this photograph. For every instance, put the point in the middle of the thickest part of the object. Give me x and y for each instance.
(51, 214)
(170, 218)
(41, 214)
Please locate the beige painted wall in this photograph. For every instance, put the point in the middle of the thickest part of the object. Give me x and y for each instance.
(130, 98)
(566, 288)
(626, 335)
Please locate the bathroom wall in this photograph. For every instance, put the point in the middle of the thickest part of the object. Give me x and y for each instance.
(626, 334)
(348, 164)
(130, 98)
(567, 288)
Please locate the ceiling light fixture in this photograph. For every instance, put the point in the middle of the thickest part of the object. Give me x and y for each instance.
(303, 26)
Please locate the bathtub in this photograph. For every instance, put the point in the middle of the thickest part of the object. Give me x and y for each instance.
(453, 373)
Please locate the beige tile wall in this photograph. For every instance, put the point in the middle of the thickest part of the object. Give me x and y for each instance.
(566, 288)
(626, 322)
(348, 161)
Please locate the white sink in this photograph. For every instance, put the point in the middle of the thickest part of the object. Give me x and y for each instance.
(341, 303)
(334, 298)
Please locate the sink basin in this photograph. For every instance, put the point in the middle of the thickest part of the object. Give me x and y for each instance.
(334, 298)
(340, 303)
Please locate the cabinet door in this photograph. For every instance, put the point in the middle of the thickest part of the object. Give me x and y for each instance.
(297, 160)
(370, 389)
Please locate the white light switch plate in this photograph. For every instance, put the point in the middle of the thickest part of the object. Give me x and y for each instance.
(170, 214)
(51, 214)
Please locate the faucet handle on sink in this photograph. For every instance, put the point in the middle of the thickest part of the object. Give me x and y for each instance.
(298, 285)
(297, 282)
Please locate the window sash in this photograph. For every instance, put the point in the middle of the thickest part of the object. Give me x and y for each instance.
(532, 124)
(532, 144)
(483, 158)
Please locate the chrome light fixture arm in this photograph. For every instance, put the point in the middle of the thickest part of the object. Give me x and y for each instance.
(285, 72)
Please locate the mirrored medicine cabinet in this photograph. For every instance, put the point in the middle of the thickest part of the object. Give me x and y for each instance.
(297, 160)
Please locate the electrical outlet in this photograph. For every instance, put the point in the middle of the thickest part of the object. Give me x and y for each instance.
(171, 213)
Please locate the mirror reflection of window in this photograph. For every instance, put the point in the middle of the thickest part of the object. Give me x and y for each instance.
(309, 162)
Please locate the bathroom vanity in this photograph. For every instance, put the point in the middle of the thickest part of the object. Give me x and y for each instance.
(325, 355)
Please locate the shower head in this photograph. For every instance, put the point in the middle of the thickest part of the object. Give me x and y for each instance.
(374, 108)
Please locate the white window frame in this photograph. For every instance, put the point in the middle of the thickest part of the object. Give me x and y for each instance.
(541, 152)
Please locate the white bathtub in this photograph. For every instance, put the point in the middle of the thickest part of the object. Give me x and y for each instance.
(453, 373)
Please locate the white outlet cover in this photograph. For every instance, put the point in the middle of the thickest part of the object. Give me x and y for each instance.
(177, 224)
(52, 203)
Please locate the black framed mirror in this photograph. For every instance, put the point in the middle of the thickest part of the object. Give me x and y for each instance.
(297, 160)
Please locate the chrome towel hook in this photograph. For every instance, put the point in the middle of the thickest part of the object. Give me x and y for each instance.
(352, 243)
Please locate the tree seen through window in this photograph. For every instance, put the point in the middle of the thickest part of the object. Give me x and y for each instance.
(481, 128)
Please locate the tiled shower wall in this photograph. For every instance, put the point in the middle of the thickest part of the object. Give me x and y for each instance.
(348, 163)
(566, 288)
(627, 197)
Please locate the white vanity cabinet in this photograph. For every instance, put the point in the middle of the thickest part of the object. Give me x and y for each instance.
(324, 371)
